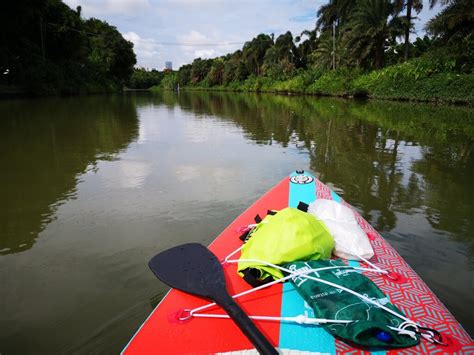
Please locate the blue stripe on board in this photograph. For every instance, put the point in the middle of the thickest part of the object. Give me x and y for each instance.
(353, 263)
(335, 197)
(302, 337)
(296, 336)
(301, 193)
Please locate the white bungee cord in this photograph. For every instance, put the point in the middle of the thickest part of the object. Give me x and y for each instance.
(193, 312)
(303, 318)
(349, 250)
(305, 275)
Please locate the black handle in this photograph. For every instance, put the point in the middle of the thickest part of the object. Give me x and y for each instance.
(247, 326)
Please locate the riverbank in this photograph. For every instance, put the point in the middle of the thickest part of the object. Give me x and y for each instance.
(415, 80)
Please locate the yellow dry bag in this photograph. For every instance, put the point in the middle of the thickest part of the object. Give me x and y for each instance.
(287, 236)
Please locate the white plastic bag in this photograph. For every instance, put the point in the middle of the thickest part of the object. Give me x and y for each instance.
(351, 241)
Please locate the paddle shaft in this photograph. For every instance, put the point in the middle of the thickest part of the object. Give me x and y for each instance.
(246, 325)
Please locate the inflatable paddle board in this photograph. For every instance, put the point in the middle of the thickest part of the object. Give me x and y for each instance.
(170, 329)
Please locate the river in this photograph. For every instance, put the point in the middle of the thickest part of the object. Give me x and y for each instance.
(93, 187)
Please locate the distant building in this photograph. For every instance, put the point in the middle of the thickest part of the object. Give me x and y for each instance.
(168, 66)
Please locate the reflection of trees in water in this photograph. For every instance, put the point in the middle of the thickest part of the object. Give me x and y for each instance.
(46, 144)
(387, 157)
(448, 173)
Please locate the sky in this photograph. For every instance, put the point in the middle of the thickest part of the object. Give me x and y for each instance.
(182, 30)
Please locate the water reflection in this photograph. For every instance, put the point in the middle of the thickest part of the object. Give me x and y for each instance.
(385, 157)
(46, 144)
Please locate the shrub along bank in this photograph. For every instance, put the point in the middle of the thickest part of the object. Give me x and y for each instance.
(417, 80)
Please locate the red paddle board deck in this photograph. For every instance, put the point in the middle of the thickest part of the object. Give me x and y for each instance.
(164, 333)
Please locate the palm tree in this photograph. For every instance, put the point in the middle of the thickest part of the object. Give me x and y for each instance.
(433, 3)
(286, 48)
(253, 52)
(331, 16)
(410, 5)
(306, 47)
(371, 25)
(323, 54)
(456, 20)
(337, 11)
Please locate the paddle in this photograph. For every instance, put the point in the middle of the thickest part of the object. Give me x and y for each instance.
(192, 268)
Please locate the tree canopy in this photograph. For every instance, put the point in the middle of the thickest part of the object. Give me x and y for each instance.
(45, 46)
(355, 34)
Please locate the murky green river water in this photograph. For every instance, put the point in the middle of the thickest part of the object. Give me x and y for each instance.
(92, 187)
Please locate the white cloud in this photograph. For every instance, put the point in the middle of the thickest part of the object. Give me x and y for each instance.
(193, 37)
(195, 22)
(126, 174)
(157, 27)
(205, 53)
(186, 173)
(127, 5)
(194, 42)
(110, 7)
(147, 50)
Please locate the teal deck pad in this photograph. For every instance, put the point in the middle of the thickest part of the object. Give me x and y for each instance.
(296, 336)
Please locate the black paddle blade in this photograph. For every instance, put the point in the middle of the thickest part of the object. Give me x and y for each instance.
(191, 268)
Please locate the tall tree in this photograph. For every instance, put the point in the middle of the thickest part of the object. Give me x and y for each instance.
(254, 52)
(332, 19)
(410, 5)
(433, 3)
(456, 20)
(336, 11)
(184, 74)
(109, 51)
(47, 47)
(323, 55)
(283, 50)
(216, 74)
(372, 24)
(200, 69)
(308, 46)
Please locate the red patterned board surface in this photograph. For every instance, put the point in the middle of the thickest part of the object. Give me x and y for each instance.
(162, 333)
(411, 295)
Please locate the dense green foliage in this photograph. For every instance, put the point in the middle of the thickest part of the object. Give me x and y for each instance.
(420, 79)
(46, 47)
(170, 80)
(145, 79)
(423, 79)
(368, 58)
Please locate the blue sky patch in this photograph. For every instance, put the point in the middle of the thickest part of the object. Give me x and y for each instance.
(306, 17)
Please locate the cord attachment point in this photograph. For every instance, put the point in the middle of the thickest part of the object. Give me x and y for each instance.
(395, 277)
(180, 316)
(371, 235)
(448, 343)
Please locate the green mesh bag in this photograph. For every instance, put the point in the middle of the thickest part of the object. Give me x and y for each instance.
(371, 324)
